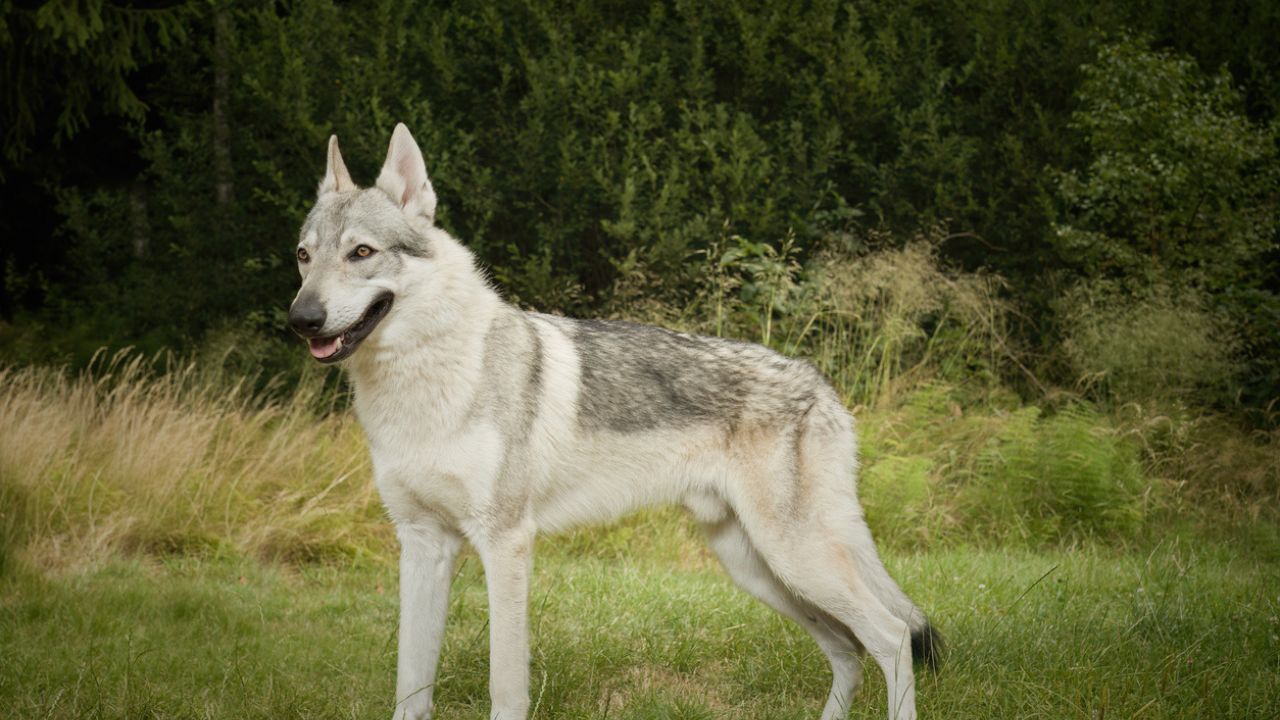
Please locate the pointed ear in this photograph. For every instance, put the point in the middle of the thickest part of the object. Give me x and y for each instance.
(404, 176)
(336, 177)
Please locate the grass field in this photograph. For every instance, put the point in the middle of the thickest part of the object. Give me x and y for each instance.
(1176, 631)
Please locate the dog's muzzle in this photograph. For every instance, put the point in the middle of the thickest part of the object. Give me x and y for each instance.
(307, 318)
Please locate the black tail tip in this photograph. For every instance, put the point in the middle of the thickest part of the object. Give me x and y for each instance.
(926, 647)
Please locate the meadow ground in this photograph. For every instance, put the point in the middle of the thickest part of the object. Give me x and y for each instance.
(175, 545)
(637, 621)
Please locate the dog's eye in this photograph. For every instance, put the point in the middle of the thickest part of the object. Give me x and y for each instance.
(303, 255)
(361, 251)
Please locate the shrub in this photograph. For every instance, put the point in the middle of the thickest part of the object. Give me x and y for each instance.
(1180, 181)
(1069, 475)
(1208, 460)
(1159, 346)
(936, 473)
(1180, 191)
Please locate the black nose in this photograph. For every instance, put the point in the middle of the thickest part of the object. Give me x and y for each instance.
(307, 316)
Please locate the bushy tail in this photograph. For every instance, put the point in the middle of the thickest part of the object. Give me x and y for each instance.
(926, 647)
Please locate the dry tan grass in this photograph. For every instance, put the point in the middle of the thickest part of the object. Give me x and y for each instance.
(887, 322)
(1208, 461)
(123, 456)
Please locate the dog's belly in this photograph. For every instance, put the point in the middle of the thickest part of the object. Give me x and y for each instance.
(605, 476)
(586, 479)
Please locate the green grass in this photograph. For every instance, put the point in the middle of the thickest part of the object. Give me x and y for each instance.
(173, 545)
(638, 622)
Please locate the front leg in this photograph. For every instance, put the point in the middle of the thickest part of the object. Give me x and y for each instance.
(508, 564)
(427, 553)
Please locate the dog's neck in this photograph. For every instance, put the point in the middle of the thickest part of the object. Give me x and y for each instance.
(430, 356)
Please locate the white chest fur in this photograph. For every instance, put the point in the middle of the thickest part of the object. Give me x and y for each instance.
(451, 475)
(427, 457)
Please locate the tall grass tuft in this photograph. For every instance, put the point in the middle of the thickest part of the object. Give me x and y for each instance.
(160, 456)
(890, 321)
(1208, 462)
(1153, 345)
(878, 324)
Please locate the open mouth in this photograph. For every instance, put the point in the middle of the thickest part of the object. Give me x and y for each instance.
(336, 347)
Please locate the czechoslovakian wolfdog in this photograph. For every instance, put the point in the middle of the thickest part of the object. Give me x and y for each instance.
(489, 424)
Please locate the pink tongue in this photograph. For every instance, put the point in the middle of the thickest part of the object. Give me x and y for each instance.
(323, 347)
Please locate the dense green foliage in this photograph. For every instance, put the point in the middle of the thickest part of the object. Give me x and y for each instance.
(157, 160)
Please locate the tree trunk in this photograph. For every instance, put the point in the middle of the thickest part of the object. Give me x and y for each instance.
(138, 219)
(221, 95)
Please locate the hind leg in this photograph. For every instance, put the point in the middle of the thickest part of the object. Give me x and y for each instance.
(749, 571)
(798, 503)
(817, 566)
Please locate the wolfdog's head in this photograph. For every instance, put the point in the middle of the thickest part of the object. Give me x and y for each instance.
(361, 251)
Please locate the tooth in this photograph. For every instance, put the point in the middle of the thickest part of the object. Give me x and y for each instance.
(338, 346)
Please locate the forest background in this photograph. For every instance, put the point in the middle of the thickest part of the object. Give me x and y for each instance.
(1100, 158)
